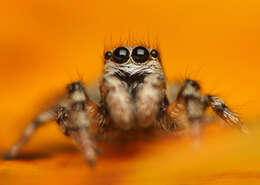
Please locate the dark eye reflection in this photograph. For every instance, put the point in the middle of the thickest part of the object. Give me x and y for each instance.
(140, 54)
(120, 55)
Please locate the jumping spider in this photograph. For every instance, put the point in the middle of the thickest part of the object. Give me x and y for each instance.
(132, 97)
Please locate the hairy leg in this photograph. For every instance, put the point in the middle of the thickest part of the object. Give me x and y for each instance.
(74, 113)
(75, 121)
(222, 110)
(41, 119)
(174, 117)
(118, 102)
(149, 99)
(191, 105)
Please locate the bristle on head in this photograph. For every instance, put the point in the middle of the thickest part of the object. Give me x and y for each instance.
(131, 40)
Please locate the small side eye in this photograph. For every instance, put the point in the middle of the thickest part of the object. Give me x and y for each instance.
(154, 53)
(120, 55)
(140, 54)
(108, 55)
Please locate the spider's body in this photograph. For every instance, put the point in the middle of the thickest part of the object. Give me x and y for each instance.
(133, 89)
(132, 96)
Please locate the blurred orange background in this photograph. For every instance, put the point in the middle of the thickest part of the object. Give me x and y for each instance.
(46, 44)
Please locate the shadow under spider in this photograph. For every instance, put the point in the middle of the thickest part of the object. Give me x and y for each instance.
(123, 147)
(46, 151)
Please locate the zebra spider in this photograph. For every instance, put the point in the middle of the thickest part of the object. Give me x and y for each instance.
(132, 97)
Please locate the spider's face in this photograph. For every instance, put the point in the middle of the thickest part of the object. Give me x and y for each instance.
(132, 64)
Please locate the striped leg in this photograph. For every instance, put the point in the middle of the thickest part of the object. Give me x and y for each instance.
(225, 113)
(187, 108)
(76, 119)
(41, 119)
(191, 106)
(75, 114)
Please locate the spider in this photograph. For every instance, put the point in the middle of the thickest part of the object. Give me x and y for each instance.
(132, 97)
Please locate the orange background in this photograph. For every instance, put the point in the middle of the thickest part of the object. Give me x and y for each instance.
(46, 44)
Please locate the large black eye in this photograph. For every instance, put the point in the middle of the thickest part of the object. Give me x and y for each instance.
(140, 54)
(120, 55)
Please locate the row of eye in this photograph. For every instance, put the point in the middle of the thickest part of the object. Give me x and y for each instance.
(139, 54)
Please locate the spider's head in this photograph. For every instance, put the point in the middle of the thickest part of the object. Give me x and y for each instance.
(132, 63)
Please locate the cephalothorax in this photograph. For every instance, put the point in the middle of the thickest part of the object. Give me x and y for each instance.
(132, 96)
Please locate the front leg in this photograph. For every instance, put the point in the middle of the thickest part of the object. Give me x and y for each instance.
(191, 106)
(76, 115)
(150, 99)
(75, 121)
(117, 102)
(79, 118)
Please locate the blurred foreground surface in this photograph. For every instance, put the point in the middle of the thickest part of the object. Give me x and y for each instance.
(47, 44)
(225, 157)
